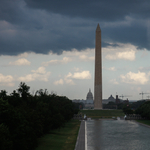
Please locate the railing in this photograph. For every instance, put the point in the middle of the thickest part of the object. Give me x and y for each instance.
(134, 117)
(78, 117)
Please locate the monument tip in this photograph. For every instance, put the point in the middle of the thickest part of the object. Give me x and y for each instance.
(98, 28)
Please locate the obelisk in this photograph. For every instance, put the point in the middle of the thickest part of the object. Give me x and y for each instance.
(98, 71)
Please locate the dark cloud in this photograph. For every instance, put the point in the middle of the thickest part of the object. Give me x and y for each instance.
(10, 11)
(42, 26)
(45, 36)
(135, 35)
(105, 10)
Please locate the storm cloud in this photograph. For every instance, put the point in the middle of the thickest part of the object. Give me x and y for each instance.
(106, 10)
(44, 26)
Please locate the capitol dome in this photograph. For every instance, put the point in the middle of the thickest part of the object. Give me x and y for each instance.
(89, 97)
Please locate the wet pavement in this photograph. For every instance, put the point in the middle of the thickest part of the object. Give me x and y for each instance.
(80, 145)
(117, 135)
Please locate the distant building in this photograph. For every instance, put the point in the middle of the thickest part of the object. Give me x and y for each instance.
(117, 100)
(89, 100)
(126, 101)
(89, 97)
(79, 101)
(88, 103)
(110, 99)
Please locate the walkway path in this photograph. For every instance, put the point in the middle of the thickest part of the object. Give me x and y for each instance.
(80, 144)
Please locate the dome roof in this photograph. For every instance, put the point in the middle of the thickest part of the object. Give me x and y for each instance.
(111, 98)
(89, 95)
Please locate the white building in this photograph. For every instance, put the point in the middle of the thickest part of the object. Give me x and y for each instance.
(89, 100)
(88, 103)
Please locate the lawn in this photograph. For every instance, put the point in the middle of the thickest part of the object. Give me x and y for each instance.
(95, 114)
(61, 139)
(147, 122)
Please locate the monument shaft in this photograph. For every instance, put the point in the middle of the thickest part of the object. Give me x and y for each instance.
(98, 71)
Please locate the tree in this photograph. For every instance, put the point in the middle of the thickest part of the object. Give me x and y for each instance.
(14, 99)
(144, 110)
(24, 118)
(127, 109)
(5, 138)
(24, 90)
(14, 94)
(3, 94)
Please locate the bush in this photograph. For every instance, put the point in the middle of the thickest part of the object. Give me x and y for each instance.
(24, 117)
(127, 109)
(5, 138)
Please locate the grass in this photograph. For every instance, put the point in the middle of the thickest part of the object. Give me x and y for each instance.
(95, 114)
(147, 122)
(61, 139)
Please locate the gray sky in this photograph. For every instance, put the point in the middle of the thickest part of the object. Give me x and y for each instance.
(50, 44)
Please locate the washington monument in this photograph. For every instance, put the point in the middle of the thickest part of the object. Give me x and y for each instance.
(98, 71)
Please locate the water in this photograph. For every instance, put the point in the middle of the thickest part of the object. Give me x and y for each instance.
(117, 135)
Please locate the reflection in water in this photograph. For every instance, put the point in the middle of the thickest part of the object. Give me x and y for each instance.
(117, 135)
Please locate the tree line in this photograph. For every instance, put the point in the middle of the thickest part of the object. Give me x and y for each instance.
(140, 107)
(144, 110)
(25, 117)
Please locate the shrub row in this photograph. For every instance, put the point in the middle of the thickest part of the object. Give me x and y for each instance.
(24, 117)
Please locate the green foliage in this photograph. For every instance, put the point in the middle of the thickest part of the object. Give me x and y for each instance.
(127, 109)
(24, 90)
(5, 138)
(63, 138)
(137, 104)
(144, 110)
(76, 107)
(3, 94)
(110, 105)
(24, 117)
(147, 122)
(120, 106)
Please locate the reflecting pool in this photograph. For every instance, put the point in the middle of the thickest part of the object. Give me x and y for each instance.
(117, 135)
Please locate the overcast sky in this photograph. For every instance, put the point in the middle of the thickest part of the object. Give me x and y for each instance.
(51, 45)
